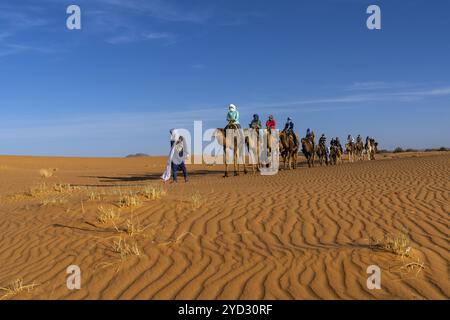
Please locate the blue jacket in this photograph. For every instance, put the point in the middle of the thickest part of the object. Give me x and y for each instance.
(233, 116)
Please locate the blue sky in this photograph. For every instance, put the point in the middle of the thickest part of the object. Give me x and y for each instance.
(138, 68)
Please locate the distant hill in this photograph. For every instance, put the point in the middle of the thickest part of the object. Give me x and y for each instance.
(137, 155)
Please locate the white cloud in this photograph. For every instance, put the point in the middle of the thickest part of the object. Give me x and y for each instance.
(131, 37)
(162, 9)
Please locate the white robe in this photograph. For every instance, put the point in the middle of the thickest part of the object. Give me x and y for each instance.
(174, 155)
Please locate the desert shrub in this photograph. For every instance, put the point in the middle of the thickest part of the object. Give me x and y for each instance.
(108, 215)
(153, 192)
(47, 173)
(398, 244)
(15, 287)
(125, 249)
(129, 201)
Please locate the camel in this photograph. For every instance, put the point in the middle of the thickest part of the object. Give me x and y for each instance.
(350, 148)
(288, 150)
(220, 135)
(253, 149)
(359, 147)
(313, 140)
(322, 154)
(371, 148)
(308, 151)
(335, 154)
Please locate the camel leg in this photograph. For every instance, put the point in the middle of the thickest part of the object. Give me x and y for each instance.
(257, 158)
(226, 164)
(236, 163)
(245, 165)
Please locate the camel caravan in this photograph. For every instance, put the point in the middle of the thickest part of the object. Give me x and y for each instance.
(257, 142)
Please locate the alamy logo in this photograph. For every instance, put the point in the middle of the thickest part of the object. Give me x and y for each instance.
(74, 278)
(73, 22)
(374, 20)
(374, 280)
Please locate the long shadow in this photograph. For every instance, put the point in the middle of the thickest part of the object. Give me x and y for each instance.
(147, 177)
(58, 225)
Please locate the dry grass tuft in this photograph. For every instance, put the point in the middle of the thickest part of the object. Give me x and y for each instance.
(16, 287)
(398, 244)
(153, 193)
(39, 190)
(133, 229)
(125, 249)
(129, 201)
(42, 190)
(177, 240)
(65, 188)
(52, 200)
(47, 173)
(196, 200)
(96, 196)
(108, 215)
(413, 266)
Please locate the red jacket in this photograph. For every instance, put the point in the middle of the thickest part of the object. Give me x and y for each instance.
(270, 124)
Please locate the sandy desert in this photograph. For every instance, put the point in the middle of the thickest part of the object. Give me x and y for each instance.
(301, 234)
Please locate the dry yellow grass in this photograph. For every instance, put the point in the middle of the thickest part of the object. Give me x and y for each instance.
(196, 200)
(39, 190)
(52, 200)
(153, 192)
(96, 196)
(398, 244)
(108, 215)
(15, 287)
(125, 249)
(177, 240)
(47, 173)
(64, 188)
(129, 201)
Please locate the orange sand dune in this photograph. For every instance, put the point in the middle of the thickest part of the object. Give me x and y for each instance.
(302, 234)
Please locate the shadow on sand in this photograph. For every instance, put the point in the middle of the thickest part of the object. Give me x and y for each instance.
(151, 177)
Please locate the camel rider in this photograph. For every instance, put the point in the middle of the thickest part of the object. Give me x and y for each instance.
(289, 126)
(322, 140)
(308, 133)
(359, 139)
(270, 123)
(350, 139)
(256, 123)
(323, 144)
(232, 117)
(338, 144)
(289, 129)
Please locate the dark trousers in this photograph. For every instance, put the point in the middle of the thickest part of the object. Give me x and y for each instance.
(178, 167)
